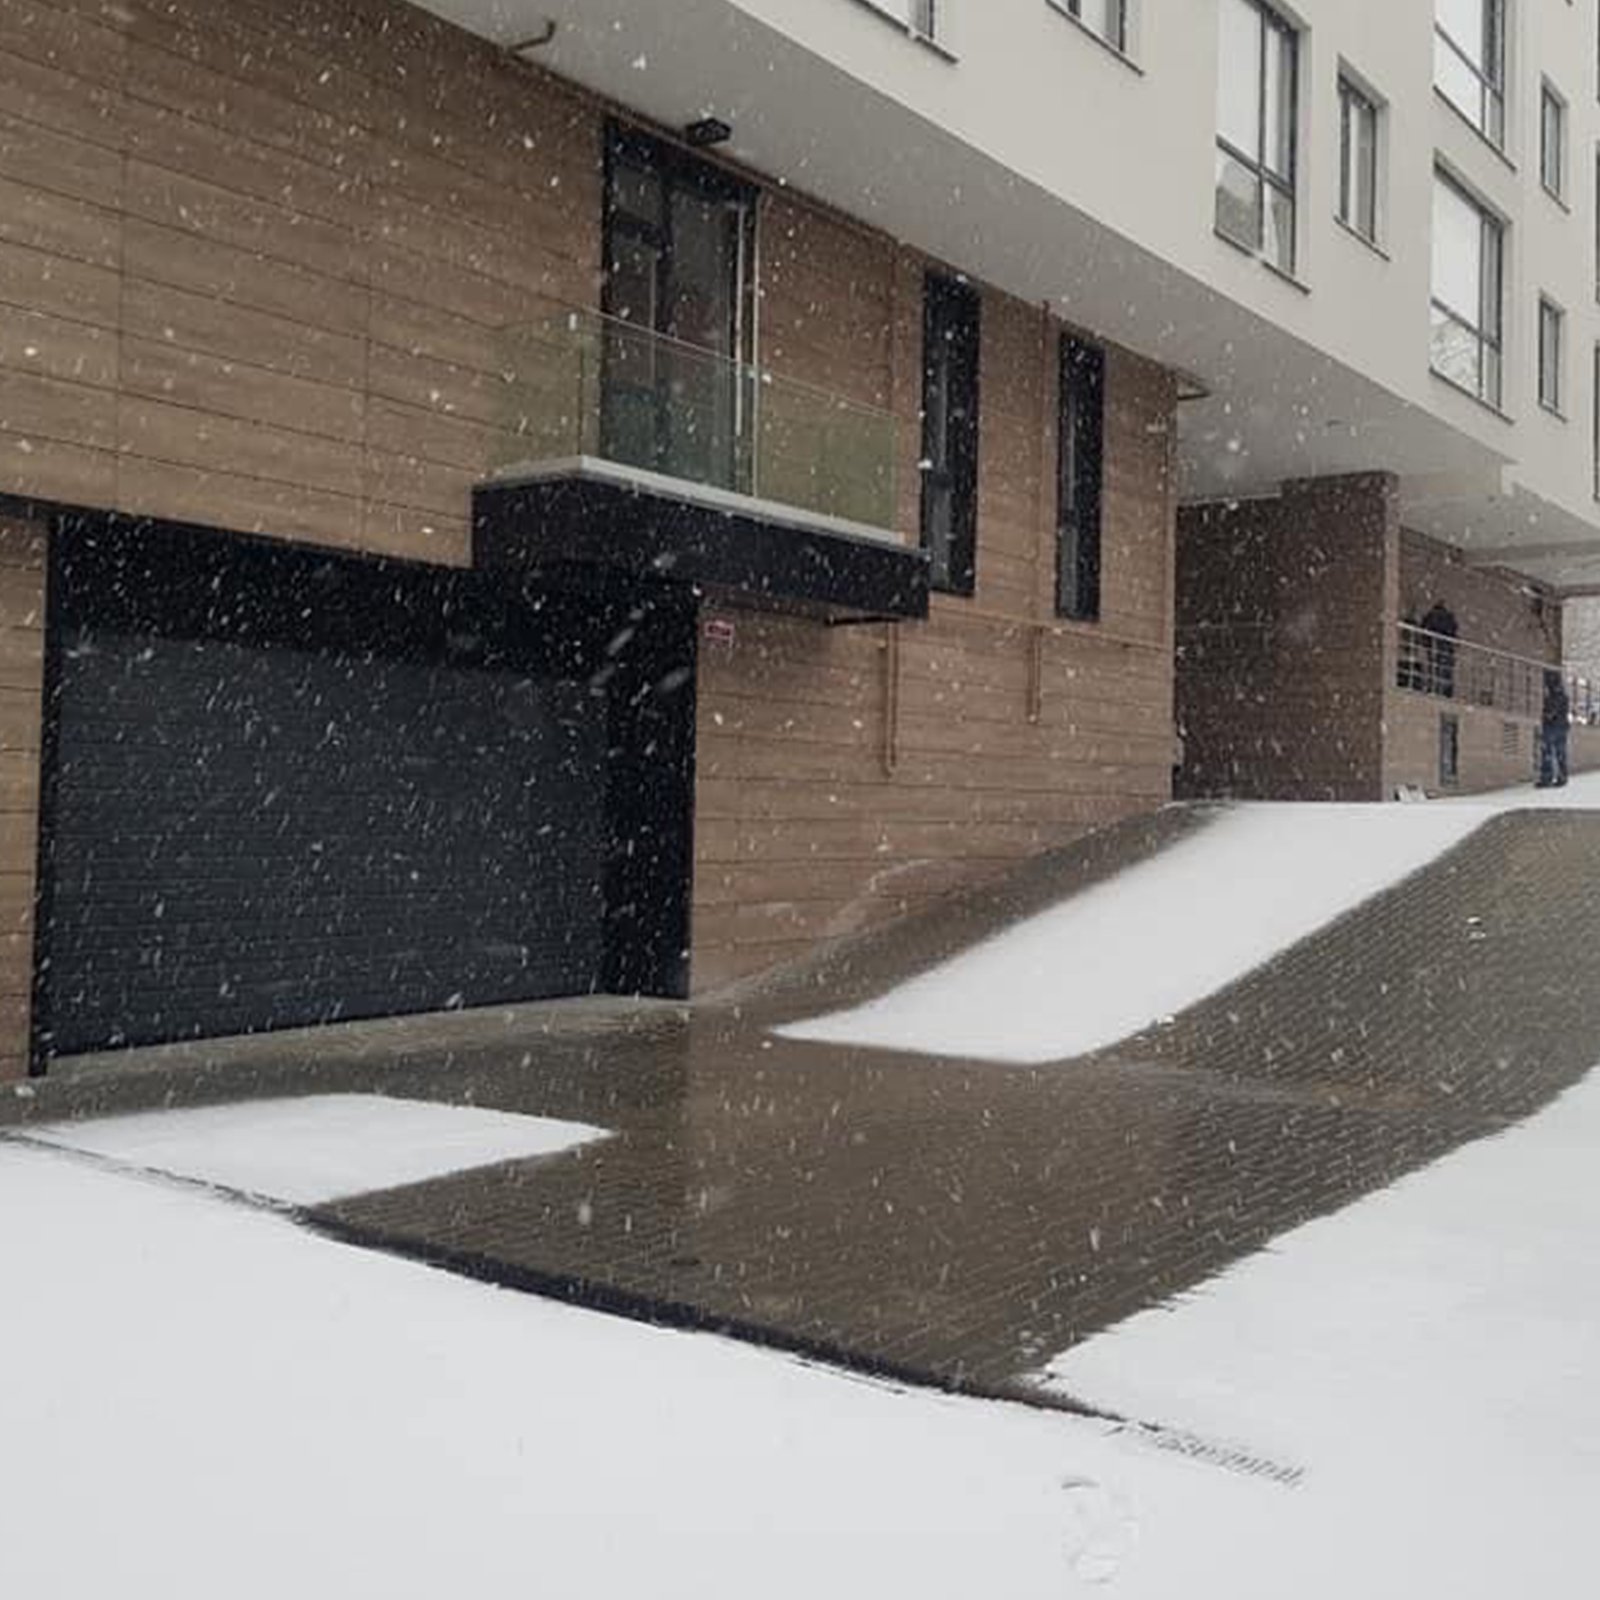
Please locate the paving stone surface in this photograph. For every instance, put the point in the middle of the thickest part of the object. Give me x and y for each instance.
(959, 1222)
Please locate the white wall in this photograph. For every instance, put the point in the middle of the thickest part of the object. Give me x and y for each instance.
(1029, 154)
(1132, 146)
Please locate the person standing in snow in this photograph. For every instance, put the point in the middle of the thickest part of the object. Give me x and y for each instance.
(1440, 624)
(1553, 729)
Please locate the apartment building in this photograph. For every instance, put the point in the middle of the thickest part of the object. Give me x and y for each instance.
(506, 500)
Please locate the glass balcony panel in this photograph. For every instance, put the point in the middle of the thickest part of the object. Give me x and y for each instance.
(587, 385)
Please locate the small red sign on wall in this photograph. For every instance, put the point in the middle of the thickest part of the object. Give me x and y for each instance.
(719, 631)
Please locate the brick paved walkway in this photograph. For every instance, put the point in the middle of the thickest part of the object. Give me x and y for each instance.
(959, 1222)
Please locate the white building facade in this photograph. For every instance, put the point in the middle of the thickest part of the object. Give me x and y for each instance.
(1364, 228)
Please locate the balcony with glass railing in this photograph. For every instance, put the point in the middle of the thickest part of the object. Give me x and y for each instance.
(688, 450)
(581, 385)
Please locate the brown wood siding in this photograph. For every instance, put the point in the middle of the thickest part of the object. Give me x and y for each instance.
(852, 774)
(256, 261)
(22, 583)
(256, 265)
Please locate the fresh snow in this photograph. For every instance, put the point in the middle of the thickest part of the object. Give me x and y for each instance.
(1431, 1355)
(1157, 938)
(203, 1400)
(317, 1148)
(1170, 931)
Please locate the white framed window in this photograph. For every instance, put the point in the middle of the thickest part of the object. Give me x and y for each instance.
(1552, 141)
(1358, 159)
(1258, 91)
(924, 19)
(1468, 344)
(1108, 19)
(1595, 432)
(1469, 62)
(1552, 356)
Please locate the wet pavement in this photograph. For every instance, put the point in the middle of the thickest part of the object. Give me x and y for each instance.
(959, 1222)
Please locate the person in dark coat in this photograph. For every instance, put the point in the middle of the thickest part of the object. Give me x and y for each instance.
(1554, 725)
(1440, 623)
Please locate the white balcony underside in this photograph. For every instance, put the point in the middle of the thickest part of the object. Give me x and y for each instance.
(1276, 409)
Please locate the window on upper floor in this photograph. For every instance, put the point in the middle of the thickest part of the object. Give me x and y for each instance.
(1358, 160)
(1552, 356)
(1469, 62)
(1080, 478)
(1553, 141)
(1595, 424)
(922, 17)
(1107, 18)
(1468, 311)
(1257, 91)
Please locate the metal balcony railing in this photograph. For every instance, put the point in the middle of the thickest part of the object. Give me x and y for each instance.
(1474, 675)
(583, 385)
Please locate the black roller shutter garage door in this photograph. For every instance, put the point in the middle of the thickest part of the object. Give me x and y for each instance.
(255, 823)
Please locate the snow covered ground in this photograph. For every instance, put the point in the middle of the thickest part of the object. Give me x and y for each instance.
(201, 1399)
(1168, 932)
(318, 1147)
(1431, 1355)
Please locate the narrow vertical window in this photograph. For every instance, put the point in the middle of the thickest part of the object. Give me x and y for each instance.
(1358, 161)
(1552, 333)
(950, 433)
(1469, 62)
(1449, 752)
(1258, 92)
(1468, 255)
(1080, 479)
(1553, 142)
(1595, 424)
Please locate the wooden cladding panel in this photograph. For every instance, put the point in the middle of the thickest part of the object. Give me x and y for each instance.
(825, 803)
(265, 258)
(256, 263)
(22, 581)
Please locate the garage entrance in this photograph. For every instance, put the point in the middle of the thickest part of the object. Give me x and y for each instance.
(286, 788)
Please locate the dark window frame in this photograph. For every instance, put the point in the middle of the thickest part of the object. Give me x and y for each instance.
(1489, 328)
(1285, 185)
(670, 167)
(1552, 331)
(1594, 401)
(1553, 138)
(1449, 751)
(1490, 118)
(951, 429)
(1354, 103)
(1080, 479)
(1118, 39)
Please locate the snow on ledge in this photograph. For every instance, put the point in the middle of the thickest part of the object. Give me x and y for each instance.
(316, 1148)
(1157, 938)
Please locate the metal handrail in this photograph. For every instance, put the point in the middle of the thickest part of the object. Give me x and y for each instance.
(1479, 675)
